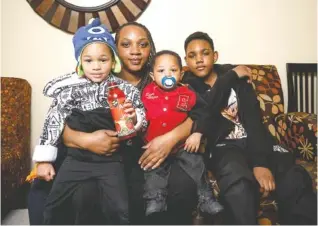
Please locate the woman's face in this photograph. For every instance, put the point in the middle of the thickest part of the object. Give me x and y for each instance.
(133, 48)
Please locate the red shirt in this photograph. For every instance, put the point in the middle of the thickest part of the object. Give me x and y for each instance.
(166, 109)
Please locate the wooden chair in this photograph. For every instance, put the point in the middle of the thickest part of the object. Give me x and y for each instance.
(302, 87)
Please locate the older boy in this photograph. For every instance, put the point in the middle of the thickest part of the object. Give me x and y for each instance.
(240, 149)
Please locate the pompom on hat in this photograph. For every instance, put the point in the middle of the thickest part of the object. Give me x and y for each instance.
(95, 31)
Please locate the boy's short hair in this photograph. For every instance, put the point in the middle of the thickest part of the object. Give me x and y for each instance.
(198, 36)
(163, 52)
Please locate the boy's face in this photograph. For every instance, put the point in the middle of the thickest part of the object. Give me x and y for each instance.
(200, 57)
(166, 69)
(97, 61)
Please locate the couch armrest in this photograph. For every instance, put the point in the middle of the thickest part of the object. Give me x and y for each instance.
(15, 138)
(298, 133)
(311, 167)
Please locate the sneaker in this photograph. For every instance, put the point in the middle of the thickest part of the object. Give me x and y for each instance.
(154, 206)
(209, 205)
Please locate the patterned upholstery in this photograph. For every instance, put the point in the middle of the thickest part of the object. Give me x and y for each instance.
(295, 131)
(15, 137)
(298, 132)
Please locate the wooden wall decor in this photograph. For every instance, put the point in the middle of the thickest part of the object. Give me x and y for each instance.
(69, 15)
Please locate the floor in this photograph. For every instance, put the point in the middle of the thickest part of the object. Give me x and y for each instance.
(17, 217)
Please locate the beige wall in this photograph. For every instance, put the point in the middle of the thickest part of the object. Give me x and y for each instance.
(1, 37)
(244, 31)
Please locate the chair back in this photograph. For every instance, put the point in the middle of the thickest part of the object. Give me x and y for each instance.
(302, 87)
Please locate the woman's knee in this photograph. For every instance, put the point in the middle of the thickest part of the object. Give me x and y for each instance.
(37, 196)
(182, 193)
(180, 185)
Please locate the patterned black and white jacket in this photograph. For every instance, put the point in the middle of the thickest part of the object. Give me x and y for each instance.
(73, 92)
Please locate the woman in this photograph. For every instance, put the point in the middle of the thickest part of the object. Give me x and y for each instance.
(136, 48)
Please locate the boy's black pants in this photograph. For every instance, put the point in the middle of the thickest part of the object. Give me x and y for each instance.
(239, 190)
(112, 191)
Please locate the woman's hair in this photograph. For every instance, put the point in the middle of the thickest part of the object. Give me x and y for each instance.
(165, 52)
(146, 79)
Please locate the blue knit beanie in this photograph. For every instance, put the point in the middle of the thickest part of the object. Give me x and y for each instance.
(94, 32)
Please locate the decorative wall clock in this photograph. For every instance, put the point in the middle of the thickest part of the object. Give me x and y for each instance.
(68, 15)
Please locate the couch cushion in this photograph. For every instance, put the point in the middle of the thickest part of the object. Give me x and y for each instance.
(267, 85)
(298, 132)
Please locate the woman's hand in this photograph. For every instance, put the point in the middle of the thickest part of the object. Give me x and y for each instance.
(130, 111)
(244, 71)
(102, 142)
(156, 152)
(160, 147)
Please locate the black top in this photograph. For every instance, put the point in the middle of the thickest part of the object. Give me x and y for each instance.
(216, 98)
(90, 121)
(259, 141)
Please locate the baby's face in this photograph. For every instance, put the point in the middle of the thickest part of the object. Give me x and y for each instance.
(97, 61)
(167, 71)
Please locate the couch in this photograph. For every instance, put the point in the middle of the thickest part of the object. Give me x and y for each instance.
(15, 142)
(294, 131)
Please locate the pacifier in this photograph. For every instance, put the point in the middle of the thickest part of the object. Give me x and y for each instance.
(168, 82)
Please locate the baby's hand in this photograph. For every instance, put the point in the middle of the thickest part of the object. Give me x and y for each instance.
(244, 71)
(192, 144)
(45, 171)
(130, 111)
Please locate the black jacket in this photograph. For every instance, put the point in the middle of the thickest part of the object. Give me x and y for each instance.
(259, 142)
